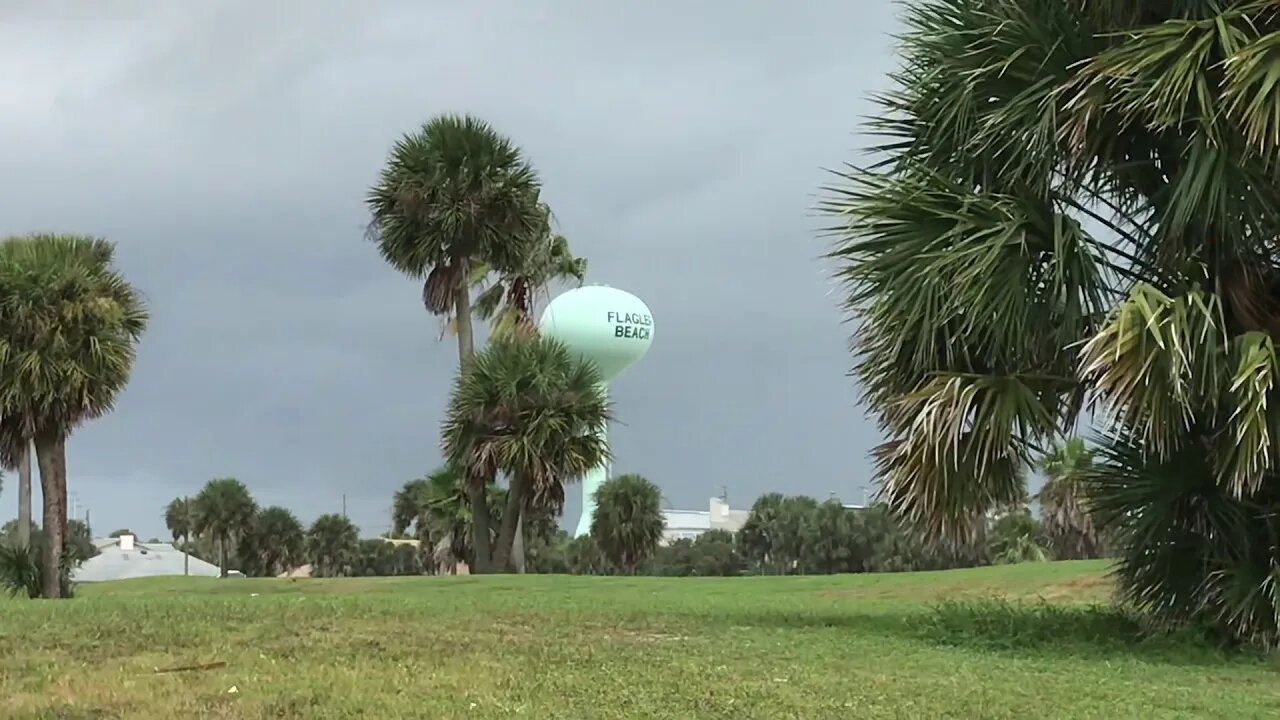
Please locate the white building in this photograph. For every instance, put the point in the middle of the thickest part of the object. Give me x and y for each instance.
(124, 557)
(689, 524)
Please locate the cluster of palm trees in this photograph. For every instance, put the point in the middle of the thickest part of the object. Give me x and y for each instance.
(224, 523)
(625, 531)
(1076, 205)
(69, 326)
(459, 208)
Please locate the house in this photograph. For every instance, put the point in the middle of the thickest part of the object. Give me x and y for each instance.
(689, 524)
(124, 557)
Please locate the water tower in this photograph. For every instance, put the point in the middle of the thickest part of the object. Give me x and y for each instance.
(612, 329)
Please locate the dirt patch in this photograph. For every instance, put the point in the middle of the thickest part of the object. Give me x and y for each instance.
(1088, 587)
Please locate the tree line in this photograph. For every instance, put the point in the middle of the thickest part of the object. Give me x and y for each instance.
(782, 535)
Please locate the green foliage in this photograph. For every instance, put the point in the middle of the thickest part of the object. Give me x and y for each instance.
(377, 557)
(529, 408)
(714, 553)
(1063, 505)
(584, 557)
(224, 513)
(628, 522)
(69, 326)
(179, 518)
(22, 569)
(273, 543)
(1014, 538)
(454, 192)
(1072, 204)
(438, 509)
(78, 543)
(1003, 624)
(332, 546)
(1190, 551)
(509, 302)
(831, 540)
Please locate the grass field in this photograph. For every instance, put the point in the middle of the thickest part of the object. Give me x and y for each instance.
(872, 646)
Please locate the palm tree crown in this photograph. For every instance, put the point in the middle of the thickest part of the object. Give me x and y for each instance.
(1077, 202)
(628, 523)
(224, 512)
(331, 545)
(455, 192)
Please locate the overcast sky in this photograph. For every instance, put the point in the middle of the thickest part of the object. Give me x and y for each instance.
(227, 148)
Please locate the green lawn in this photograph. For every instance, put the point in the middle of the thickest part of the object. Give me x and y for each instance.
(872, 646)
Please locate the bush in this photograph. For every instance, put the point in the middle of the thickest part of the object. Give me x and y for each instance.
(21, 571)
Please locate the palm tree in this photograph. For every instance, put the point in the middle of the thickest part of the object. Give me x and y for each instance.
(332, 543)
(510, 302)
(1067, 522)
(409, 509)
(69, 326)
(1075, 203)
(628, 523)
(531, 409)
(179, 517)
(453, 197)
(275, 542)
(760, 532)
(224, 512)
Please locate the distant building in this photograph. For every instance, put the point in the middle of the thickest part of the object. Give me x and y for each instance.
(689, 524)
(124, 557)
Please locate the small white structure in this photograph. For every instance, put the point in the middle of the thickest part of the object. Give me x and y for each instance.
(689, 524)
(124, 557)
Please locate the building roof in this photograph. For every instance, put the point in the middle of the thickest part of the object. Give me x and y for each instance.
(143, 560)
(687, 519)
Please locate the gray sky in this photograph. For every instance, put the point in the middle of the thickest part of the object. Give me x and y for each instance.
(227, 149)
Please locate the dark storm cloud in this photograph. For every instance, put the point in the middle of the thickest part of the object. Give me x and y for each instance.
(227, 147)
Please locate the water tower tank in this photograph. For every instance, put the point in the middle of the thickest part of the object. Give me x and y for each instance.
(610, 327)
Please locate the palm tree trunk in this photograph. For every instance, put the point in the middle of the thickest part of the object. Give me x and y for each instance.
(510, 523)
(51, 454)
(222, 553)
(186, 558)
(476, 486)
(481, 562)
(517, 546)
(24, 495)
(462, 320)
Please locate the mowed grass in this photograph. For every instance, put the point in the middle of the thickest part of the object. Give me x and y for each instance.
(871, 646)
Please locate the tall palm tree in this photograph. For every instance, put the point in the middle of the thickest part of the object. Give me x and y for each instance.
(1077, 202)
(531, 409)
(224, 512)
(1063, 507)
(332, 542)
(454, 196)
(69, 326)
(628, 523)
(179, 517)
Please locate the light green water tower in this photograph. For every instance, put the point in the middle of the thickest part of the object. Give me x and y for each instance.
(611, 328)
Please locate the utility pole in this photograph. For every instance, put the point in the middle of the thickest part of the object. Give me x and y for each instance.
(344, 505)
